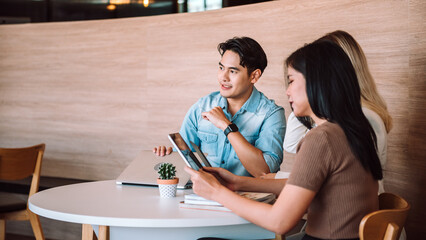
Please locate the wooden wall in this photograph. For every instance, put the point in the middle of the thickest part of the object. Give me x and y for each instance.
(98, 92)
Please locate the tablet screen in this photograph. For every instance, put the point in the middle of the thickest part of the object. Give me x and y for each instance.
(184, 151)
(201, 154)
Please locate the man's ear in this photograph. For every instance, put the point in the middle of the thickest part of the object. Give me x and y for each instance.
(255, 75)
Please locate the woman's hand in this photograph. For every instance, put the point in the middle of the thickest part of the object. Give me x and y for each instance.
(204, 183)
(225, 177)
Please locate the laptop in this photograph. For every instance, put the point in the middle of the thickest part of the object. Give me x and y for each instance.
(143, 170)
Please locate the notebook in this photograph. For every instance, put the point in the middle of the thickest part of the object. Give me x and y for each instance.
(143, 170)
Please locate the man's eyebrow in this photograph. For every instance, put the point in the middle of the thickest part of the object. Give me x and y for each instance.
(233, 68)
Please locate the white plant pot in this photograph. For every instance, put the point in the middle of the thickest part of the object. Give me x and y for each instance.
(167, 187)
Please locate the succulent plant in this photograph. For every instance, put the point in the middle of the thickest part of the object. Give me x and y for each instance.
(167, 171)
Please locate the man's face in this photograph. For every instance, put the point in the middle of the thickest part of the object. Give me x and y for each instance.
(233, 78)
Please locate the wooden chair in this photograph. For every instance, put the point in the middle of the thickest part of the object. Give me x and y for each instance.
(16, 164)
(386, 223)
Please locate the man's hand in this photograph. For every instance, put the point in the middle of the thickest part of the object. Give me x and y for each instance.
(217, 117)
(162, 151)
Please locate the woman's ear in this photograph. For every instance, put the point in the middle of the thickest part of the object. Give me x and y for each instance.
(255, 75)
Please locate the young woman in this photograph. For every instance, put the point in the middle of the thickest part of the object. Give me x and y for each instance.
(373, 105)
(335, 174)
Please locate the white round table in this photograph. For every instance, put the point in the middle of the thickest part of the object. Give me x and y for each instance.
(136, 212)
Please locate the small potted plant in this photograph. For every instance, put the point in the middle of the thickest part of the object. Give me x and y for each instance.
(167, 181)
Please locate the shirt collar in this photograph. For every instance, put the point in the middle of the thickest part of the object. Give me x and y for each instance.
(253, 101)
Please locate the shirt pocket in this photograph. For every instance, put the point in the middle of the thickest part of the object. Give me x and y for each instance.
(209, 143)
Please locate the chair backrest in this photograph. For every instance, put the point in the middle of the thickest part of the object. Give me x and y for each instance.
(386, 223)
(20, 163)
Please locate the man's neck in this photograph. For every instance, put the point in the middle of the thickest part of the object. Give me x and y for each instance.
(234, 105)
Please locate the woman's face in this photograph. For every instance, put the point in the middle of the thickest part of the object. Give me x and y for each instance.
(296, 92)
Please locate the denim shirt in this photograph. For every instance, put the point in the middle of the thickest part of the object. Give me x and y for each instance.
(260, 121)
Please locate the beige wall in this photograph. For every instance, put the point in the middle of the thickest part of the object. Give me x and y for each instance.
(98, 92)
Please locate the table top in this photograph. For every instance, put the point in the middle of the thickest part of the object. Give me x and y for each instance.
(109, 204)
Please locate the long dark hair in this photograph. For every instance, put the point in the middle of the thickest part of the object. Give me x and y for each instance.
(334, 94)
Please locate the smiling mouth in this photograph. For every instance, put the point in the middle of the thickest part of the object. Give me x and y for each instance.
(224, 86)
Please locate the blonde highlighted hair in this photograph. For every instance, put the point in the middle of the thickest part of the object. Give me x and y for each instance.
(370, 97)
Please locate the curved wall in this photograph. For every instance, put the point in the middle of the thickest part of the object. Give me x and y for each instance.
(98, 92)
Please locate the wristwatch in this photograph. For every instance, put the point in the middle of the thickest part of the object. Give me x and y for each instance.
(231, 128)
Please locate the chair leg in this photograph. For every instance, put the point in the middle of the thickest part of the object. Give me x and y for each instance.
(36, 225)
(2, 229)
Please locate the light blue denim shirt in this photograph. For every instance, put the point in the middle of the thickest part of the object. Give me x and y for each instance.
(260, 121)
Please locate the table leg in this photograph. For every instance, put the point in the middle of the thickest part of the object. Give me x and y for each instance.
(279, 237)
(103, 232)
(87, 232)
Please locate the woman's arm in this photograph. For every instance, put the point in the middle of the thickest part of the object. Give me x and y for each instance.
(262, 185)
(281, 217)
(248, 184)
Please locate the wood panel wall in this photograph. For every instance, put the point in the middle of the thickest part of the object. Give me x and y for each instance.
(98, 92)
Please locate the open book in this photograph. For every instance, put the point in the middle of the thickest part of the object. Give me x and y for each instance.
(193, 201)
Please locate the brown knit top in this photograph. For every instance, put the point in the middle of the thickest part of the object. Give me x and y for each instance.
(345, 191)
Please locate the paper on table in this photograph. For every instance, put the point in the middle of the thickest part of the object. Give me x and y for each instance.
(193, 201)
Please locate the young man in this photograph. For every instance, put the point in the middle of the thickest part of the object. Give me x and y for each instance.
(238, 127)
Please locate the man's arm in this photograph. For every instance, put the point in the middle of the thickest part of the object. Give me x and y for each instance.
(250, 156)
(270, 142)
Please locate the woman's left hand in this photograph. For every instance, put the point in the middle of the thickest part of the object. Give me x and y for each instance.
(204, 184)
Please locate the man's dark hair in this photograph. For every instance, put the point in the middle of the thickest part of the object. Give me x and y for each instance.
(334, 94)
(251, 53)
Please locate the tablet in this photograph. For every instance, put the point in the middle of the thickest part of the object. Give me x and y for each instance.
(201, 154)
(184, 151)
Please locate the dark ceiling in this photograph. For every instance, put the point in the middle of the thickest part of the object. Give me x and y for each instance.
(31, 11)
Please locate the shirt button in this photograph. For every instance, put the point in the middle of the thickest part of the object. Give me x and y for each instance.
(226, 141)
(223, 162)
